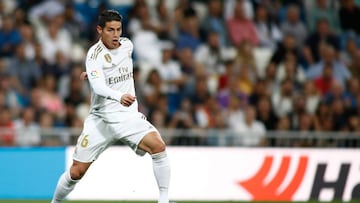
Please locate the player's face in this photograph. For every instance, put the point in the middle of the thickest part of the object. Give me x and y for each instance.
(110, 34)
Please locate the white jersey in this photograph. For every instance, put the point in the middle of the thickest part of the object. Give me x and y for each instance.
(110, 73)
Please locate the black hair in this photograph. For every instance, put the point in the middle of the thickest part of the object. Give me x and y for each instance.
(107, 16)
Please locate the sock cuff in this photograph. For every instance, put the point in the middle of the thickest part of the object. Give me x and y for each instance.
(159, 155)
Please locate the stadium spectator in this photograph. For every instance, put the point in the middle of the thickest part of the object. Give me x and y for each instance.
(283, 99)
(322, 35)
(64, 83)
(305, 126)
(270, 79)
(46, 122)
(223, 78)
(286, 47)
(283, 125)
(312, 97)
(261, 90)
(329, 58)
(324, 82)
(23, 71)
(323, 10)
(54, 38)
(160, 115)
(291, 69)
(265, 113)
(267, 30)
(340, 115)
(337, 92)
(232, 90)
(49, 100)
(294, 26)
(323, 119)
(234, 112)
(246, 80)
(27, 129)
(201, 93)
(183, 119)
(348, 53)
(251, 131)
(9, 36)
(153, 88)
(171, 74)
(75, 23)
(354, 67)
(214, 21)
(189, 68)
(28, 40)
(211, 53)
(74, 98)
(164, 22)
(60, 67)
(245, 56)
(349, 14)
(142, 31)
(299, 108)
(189, 33)
(229, 6)
(351, 91)
(241, 28)
(7, 132)
(13, 99)
(205, 113)
(353, 125)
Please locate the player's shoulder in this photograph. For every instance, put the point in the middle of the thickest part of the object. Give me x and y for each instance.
(95, 50)
(124, 41)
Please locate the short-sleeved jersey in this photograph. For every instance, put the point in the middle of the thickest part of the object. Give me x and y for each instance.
(110, 73)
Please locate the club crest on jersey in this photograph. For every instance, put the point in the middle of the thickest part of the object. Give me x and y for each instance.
(108, 58)
(94, 74)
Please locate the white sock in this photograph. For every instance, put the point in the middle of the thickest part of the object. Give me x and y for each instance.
(64, 186)
(161, 166)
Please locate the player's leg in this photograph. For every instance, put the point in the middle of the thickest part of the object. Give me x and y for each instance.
(90, 144)
(68, 180)
(154, 145)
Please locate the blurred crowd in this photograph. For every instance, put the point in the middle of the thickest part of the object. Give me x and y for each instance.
(249, 66)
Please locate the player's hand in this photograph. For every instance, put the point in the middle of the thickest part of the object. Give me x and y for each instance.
(83, 76)
(127, 99)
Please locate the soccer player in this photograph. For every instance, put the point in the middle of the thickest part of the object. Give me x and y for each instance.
(114, 110)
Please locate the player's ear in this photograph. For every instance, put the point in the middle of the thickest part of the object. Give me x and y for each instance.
(99, 29)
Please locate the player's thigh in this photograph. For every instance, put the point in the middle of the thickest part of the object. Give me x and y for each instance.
(133, 131)
(94, 139)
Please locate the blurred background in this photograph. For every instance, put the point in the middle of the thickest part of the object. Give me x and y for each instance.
(281, 73)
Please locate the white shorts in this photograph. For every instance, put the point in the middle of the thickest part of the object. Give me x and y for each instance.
(98, 135)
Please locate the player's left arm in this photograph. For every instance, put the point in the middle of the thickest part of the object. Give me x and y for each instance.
(96, 77)
(83, 76)
(126, 99)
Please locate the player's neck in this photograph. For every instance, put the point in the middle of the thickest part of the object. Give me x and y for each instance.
(110, 47)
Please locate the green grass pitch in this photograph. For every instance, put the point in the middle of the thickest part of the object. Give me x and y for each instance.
(48, 201)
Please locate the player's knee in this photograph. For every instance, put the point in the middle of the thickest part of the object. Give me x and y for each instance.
(77, 173)
(160, 147)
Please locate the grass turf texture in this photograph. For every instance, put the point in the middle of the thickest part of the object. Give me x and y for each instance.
(48, 201)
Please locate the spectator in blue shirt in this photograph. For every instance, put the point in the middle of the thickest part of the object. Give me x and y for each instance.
(9, 37)
(189, 36)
